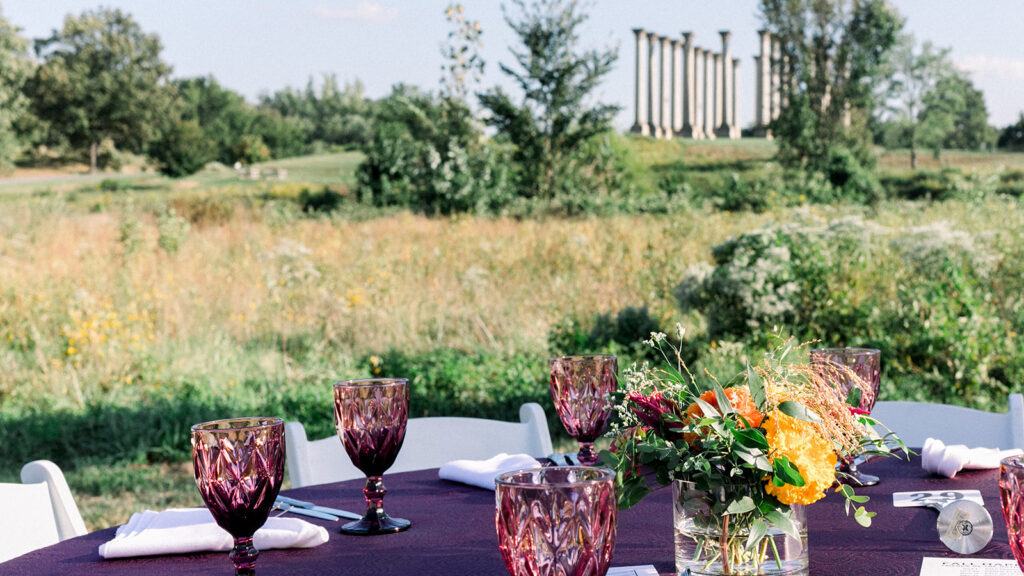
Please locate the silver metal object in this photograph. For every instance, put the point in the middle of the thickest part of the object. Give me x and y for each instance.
(315, 508)
(965, 527)
(285, 507)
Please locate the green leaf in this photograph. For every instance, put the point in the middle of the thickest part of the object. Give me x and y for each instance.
(863, 517)
(744, 504)
(609, 459)
(724, 406)
(758, 530)
(799, 411)
(751, 438)
(757, 392)
(854, 397)
(783, 522)
(708, 409)
(787, 472)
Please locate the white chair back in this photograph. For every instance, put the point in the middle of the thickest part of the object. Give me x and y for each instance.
(914, 422)
(39, 512)
(429, 443)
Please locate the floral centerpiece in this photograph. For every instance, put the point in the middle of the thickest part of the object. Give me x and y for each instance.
(743, 457)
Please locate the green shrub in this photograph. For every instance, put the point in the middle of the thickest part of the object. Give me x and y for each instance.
(172, 230)
(182, 150)
(924, 185)
(114, 185)
(324, 200)
(621, 334)
(205, 209)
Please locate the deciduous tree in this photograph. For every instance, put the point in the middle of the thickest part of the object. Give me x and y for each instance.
(831, 52)
(15, 69)
(101, 77)
(557, 78)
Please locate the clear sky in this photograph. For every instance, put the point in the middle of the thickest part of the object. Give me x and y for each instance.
(256, 46)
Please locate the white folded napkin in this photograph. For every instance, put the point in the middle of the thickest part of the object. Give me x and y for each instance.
(943, 460)
(186, 530)
(483, 472)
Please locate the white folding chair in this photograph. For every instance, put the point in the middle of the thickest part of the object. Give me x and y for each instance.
(38, 512)
(429, 443)
(915, 422)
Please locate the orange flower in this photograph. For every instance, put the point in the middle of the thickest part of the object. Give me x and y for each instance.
(739, 398)
(807, 450)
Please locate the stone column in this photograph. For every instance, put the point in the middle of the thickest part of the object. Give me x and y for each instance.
(735, 115)
(719, 102)
(666, 87)
(640, 124)
(677, 88)
(724, 94)
(763, 78)
(776, 66)
(709, 94)
(654, 85)
(698, 93)
(689, 129)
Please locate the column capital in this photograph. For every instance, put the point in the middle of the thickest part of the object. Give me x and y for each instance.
(762, 32)
(639, 31)
(665, 40)
(735, 62)
(687, 37)
(726, 34)
(678, 43)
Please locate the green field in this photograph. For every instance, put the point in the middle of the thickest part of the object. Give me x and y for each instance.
(111, 344)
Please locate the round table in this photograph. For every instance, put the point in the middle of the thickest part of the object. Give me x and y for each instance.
(453, 533)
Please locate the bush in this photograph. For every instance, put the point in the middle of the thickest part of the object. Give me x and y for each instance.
(430, 156)
(924, 185)
(1011, 183)
(326, 200)
(621, 334)
(114, 185)
(172, 230)
(250, 149)
(183, 150)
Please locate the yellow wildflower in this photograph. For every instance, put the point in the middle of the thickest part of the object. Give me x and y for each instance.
(808, 451)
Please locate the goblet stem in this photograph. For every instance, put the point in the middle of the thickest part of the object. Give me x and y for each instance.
(587, 456)
(374, 492)
(375, 521)
(855, 476)
(244, 556)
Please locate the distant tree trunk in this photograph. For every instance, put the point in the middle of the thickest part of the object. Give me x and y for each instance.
(913, 157)
(93, 154)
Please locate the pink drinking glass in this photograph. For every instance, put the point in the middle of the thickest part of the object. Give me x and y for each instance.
(556, 521)
(239, 466)
(581, 389)
(864, 364)
(370, 416)
(1011, 496)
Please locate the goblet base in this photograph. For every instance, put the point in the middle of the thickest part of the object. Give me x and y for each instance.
(372, 524)
(854, 477)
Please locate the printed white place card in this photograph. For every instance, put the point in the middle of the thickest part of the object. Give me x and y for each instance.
(648, 570)
(968, 567)
(939, 497)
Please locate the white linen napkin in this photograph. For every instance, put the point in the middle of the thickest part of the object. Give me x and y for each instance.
(483, 472)
(186, 530)
(938, 458)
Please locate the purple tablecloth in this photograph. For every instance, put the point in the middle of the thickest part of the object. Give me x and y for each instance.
(453, 534)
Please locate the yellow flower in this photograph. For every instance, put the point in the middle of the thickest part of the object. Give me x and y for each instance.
(808, 451)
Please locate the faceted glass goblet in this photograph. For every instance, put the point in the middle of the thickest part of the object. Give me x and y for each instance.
(370, 416)
(556, 521)
(581, 389)
(239, 466)
(863, 364)
(1011, 496)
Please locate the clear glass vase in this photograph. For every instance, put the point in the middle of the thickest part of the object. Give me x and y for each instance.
(716, 544)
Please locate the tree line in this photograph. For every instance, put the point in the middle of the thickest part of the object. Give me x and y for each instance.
(98, 85)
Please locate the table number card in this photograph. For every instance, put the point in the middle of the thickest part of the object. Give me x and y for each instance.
(968, 567)
(648, 570)
(934, 499)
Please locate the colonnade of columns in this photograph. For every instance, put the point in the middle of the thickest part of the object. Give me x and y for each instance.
(685, 91)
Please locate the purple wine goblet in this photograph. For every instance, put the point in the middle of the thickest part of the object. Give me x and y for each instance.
(581, 389)
(239, 466)
(557, 520)
(860, 363)
(1011, 497)
(370, 416)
